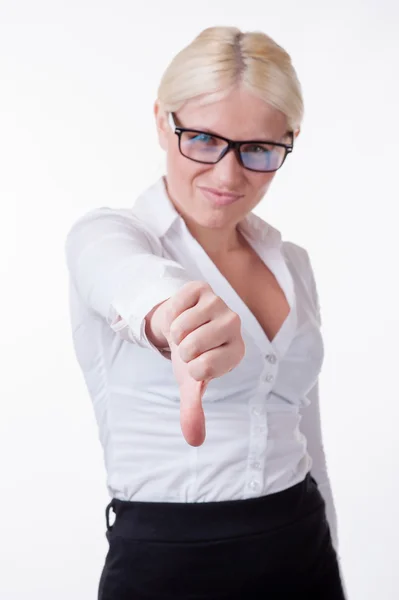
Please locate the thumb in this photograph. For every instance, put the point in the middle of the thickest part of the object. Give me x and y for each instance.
(192, 418)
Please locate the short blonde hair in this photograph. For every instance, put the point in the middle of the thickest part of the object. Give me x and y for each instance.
(219, 58)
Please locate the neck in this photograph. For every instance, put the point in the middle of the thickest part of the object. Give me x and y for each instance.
(218, 244)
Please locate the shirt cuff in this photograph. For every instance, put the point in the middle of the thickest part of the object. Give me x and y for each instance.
(133, 310)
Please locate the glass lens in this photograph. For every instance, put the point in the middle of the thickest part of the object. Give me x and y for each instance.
(262, 157)
(208, 148)
(201, 146)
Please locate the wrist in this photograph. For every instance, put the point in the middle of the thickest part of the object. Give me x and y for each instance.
(157, 326)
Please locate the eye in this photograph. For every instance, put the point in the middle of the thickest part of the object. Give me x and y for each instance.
(257, 149)
(201, 137)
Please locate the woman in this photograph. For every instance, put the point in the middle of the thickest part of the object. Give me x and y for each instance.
(190, 304)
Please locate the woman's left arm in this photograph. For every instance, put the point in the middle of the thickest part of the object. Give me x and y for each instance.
(311, 428)
(311, 420)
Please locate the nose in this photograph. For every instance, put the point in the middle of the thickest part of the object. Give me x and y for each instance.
(228, 170)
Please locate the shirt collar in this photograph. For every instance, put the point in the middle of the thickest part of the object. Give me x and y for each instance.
(157, 210)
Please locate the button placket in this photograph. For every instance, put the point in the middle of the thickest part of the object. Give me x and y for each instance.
(271, 358)
(258, 442)
(254, 485)
(260, 429)
(270, 375)
(256, 465)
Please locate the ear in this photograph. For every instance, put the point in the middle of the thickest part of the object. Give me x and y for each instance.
(162, 125)
(297, 132)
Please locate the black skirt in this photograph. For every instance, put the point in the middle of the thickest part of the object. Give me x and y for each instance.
(273, 547)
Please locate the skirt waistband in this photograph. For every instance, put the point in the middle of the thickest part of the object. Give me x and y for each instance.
(206, 521)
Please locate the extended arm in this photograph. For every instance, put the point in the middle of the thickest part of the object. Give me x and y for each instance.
(118, 270)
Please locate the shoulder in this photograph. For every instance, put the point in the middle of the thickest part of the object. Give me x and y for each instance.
(299, 263)
(104, 221)
(296, 255)
(108, 214)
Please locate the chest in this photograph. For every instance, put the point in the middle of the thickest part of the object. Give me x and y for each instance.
(259, 289)
(252, 285)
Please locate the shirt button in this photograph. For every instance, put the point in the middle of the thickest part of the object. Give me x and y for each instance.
(269, 378)
(256, 465)
(271, 358)
(260, 429)
(254, 485)
(256, 410)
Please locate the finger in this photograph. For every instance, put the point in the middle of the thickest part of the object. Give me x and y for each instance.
(207, 337)
(216, 362)
(186, 298)
(187, 322)
(192, 418)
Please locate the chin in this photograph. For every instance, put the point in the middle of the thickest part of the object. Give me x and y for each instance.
(213, 219)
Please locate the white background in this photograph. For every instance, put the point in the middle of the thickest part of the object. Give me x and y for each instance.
(78, 81)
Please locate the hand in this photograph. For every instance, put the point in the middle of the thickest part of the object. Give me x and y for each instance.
(204, 336)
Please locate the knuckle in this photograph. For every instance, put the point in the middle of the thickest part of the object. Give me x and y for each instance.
(178, 328)
(194, 373)
(205, 367)
(211, 302)
(232, 324)
(234, 318)
(199, 286)
(174, 330)
(187, 291)
(203, 285)
(214, 303)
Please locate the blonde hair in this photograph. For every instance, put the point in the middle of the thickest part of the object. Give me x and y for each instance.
(219, 58)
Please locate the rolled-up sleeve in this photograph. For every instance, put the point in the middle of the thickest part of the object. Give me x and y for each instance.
(117, 268)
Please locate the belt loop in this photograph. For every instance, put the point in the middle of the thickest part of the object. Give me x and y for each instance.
(109, 506)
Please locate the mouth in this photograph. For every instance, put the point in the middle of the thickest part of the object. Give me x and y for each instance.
(221, 198)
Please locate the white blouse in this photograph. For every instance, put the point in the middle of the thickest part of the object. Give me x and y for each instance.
(262, 418)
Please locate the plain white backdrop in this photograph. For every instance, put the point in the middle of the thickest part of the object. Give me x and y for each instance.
(78, 82)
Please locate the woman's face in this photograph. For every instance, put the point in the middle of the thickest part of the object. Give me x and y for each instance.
(239, 116)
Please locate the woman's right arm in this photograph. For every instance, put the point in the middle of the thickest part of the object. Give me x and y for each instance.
(117, 268)
(116, 265)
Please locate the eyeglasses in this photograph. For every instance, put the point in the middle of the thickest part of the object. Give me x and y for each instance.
(208, 148)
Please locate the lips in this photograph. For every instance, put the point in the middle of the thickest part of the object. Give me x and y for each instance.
(222, 194)
(219, 198)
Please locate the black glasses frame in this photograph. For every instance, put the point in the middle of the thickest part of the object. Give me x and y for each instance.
(231, 145)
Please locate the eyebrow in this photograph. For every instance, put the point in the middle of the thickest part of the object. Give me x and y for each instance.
(206, 130)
